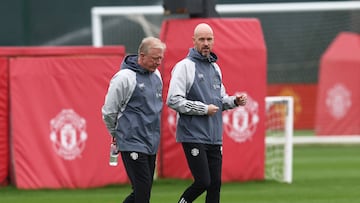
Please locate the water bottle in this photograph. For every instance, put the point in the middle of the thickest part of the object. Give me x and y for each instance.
(114, 154)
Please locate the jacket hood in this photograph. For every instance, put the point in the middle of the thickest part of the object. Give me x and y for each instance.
(130, 62)
(194, 54)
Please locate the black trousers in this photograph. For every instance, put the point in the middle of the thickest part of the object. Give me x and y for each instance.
(140, 169)
(205, 162)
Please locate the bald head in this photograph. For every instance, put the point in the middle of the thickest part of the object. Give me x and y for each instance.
(203, 39)
(202, 28)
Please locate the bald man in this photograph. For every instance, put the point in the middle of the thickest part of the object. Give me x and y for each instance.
(198, 95)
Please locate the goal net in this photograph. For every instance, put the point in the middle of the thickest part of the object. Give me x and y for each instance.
(296, 34)
(279, 138)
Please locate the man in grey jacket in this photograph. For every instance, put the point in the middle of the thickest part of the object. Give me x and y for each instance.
(132, 111)
(197, 93)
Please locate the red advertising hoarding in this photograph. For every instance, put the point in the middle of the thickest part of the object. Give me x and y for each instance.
(58, 137)
(4, 122)
(338, 103)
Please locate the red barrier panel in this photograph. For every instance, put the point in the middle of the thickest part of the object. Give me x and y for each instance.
(240, 46)
(338, 103)
(58, 137)
(4, 122)
(304, 102)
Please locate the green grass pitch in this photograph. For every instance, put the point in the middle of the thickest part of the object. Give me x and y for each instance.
(322, 174)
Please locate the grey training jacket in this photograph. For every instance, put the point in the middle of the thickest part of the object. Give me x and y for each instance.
(195, 83)
(133, 107)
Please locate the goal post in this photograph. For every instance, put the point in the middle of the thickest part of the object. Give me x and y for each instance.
(279, 138)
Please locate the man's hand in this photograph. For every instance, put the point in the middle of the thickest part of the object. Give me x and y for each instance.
(241, 100)
(212, 109)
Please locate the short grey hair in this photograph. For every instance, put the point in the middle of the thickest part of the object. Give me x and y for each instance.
(151, 43)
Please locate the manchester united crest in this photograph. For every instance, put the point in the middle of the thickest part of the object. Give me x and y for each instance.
(338, 100)
(68, 134)
(240, 123)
